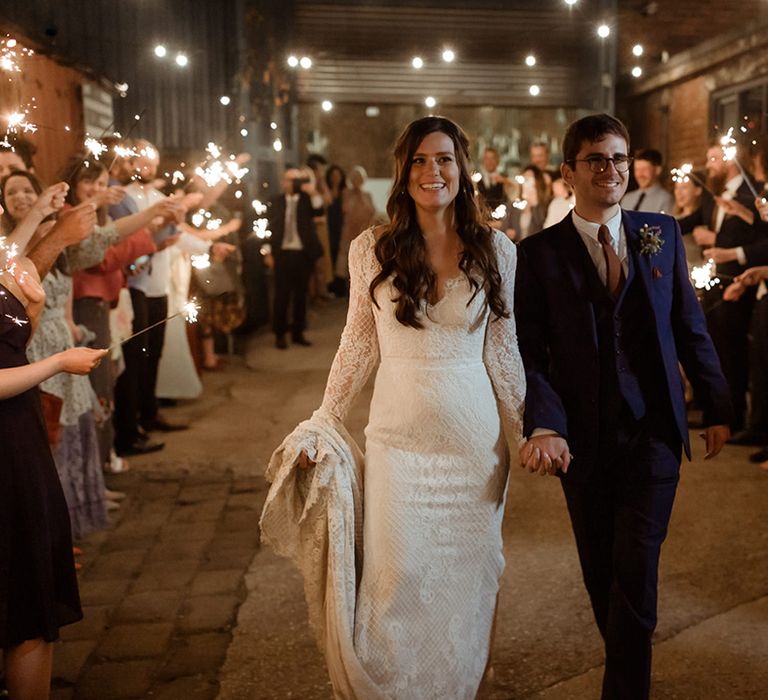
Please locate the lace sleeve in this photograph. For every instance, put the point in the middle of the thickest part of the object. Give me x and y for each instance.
(92, 250)
(501, 354)
(358, 350)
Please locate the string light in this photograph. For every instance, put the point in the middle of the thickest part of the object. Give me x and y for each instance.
(293, 61)
(637, 72)
(530, 60)
(181, 60)
(535, 90)
(603, 31)
(637, 50)
(430, 101)
(161, 51)
(225, 100)
(417, 62)
(305, 62)
(277, 144)
(326, 105)
(448, 55)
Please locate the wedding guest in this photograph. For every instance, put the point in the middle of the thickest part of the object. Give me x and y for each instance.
(539, 156)
(295, 249)
(492, 185)
(37, 568)
(649, 195)
(430, 303)
(336, 180)
(563, 201)
(714, 226)
(359, 213)
(526, 217)
(96, 290)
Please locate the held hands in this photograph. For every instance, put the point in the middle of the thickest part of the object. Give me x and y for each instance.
(80, 360)
(545, 454)
(715, 437)
(704, 237)
(734, 291)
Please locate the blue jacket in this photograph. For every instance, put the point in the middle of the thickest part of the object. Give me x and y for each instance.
(557, 332)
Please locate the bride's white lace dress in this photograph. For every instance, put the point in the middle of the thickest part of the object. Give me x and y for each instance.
(435, 475)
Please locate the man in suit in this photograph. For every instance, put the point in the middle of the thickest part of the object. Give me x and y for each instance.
(491, 186)
(649, 195)
(604, 313)
(719, 225)
(295, 247)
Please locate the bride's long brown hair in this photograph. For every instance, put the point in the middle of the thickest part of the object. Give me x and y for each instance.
(401, 250)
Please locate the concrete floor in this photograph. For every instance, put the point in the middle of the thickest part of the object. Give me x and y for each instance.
(712, 640)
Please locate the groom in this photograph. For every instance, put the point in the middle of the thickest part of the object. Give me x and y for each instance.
(604, 314)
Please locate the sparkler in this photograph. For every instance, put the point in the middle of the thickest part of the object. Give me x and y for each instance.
(705, 276)
(729, 153)
(201, 262)
(189, 311)
(520, 204)
(8, 254)
(213, 170)
(260, 229)
(10, 53)
(499, 212)
(685, 173)
(18, 121)
(18, 321)
(94, 147)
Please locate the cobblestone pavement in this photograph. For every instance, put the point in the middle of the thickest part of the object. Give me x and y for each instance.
(180, 601)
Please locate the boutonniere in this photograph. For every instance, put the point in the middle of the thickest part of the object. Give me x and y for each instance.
(650, 240)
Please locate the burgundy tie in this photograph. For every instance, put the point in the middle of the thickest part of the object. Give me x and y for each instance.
(614, 274)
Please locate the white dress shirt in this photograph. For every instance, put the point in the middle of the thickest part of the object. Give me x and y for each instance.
(654, 198)
(291, 238)
(588, 232)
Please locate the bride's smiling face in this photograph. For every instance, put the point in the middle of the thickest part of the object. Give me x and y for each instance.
(433, 181)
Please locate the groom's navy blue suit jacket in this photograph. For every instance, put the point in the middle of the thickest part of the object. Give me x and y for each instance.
(558, 334)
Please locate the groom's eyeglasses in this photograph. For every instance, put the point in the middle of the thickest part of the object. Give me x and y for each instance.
(599, 164)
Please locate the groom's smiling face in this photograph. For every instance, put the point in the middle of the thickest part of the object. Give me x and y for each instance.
(597, 190)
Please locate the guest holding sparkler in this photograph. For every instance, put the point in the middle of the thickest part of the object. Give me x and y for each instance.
(96, 290)
(720, 226)
(38, 586)
(76, 451)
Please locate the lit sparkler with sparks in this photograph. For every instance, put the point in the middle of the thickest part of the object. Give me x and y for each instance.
(94, 147)
(520, 204)
(704, 276)
(499, 212)
(10, 53)
(214, 170)
(260, 229)
(17, 121)
(189, 311)
(8, 255)
(201, 262)
(728, 144)
(685, 173)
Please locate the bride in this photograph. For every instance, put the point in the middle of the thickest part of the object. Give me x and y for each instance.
(431, 298)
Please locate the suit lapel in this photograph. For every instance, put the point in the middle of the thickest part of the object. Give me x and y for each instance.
(574, 257)
(640, 263)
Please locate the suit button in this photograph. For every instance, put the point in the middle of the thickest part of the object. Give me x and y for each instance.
(618, 352)
(618, 334)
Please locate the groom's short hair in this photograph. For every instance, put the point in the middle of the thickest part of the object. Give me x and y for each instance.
(592, 128)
